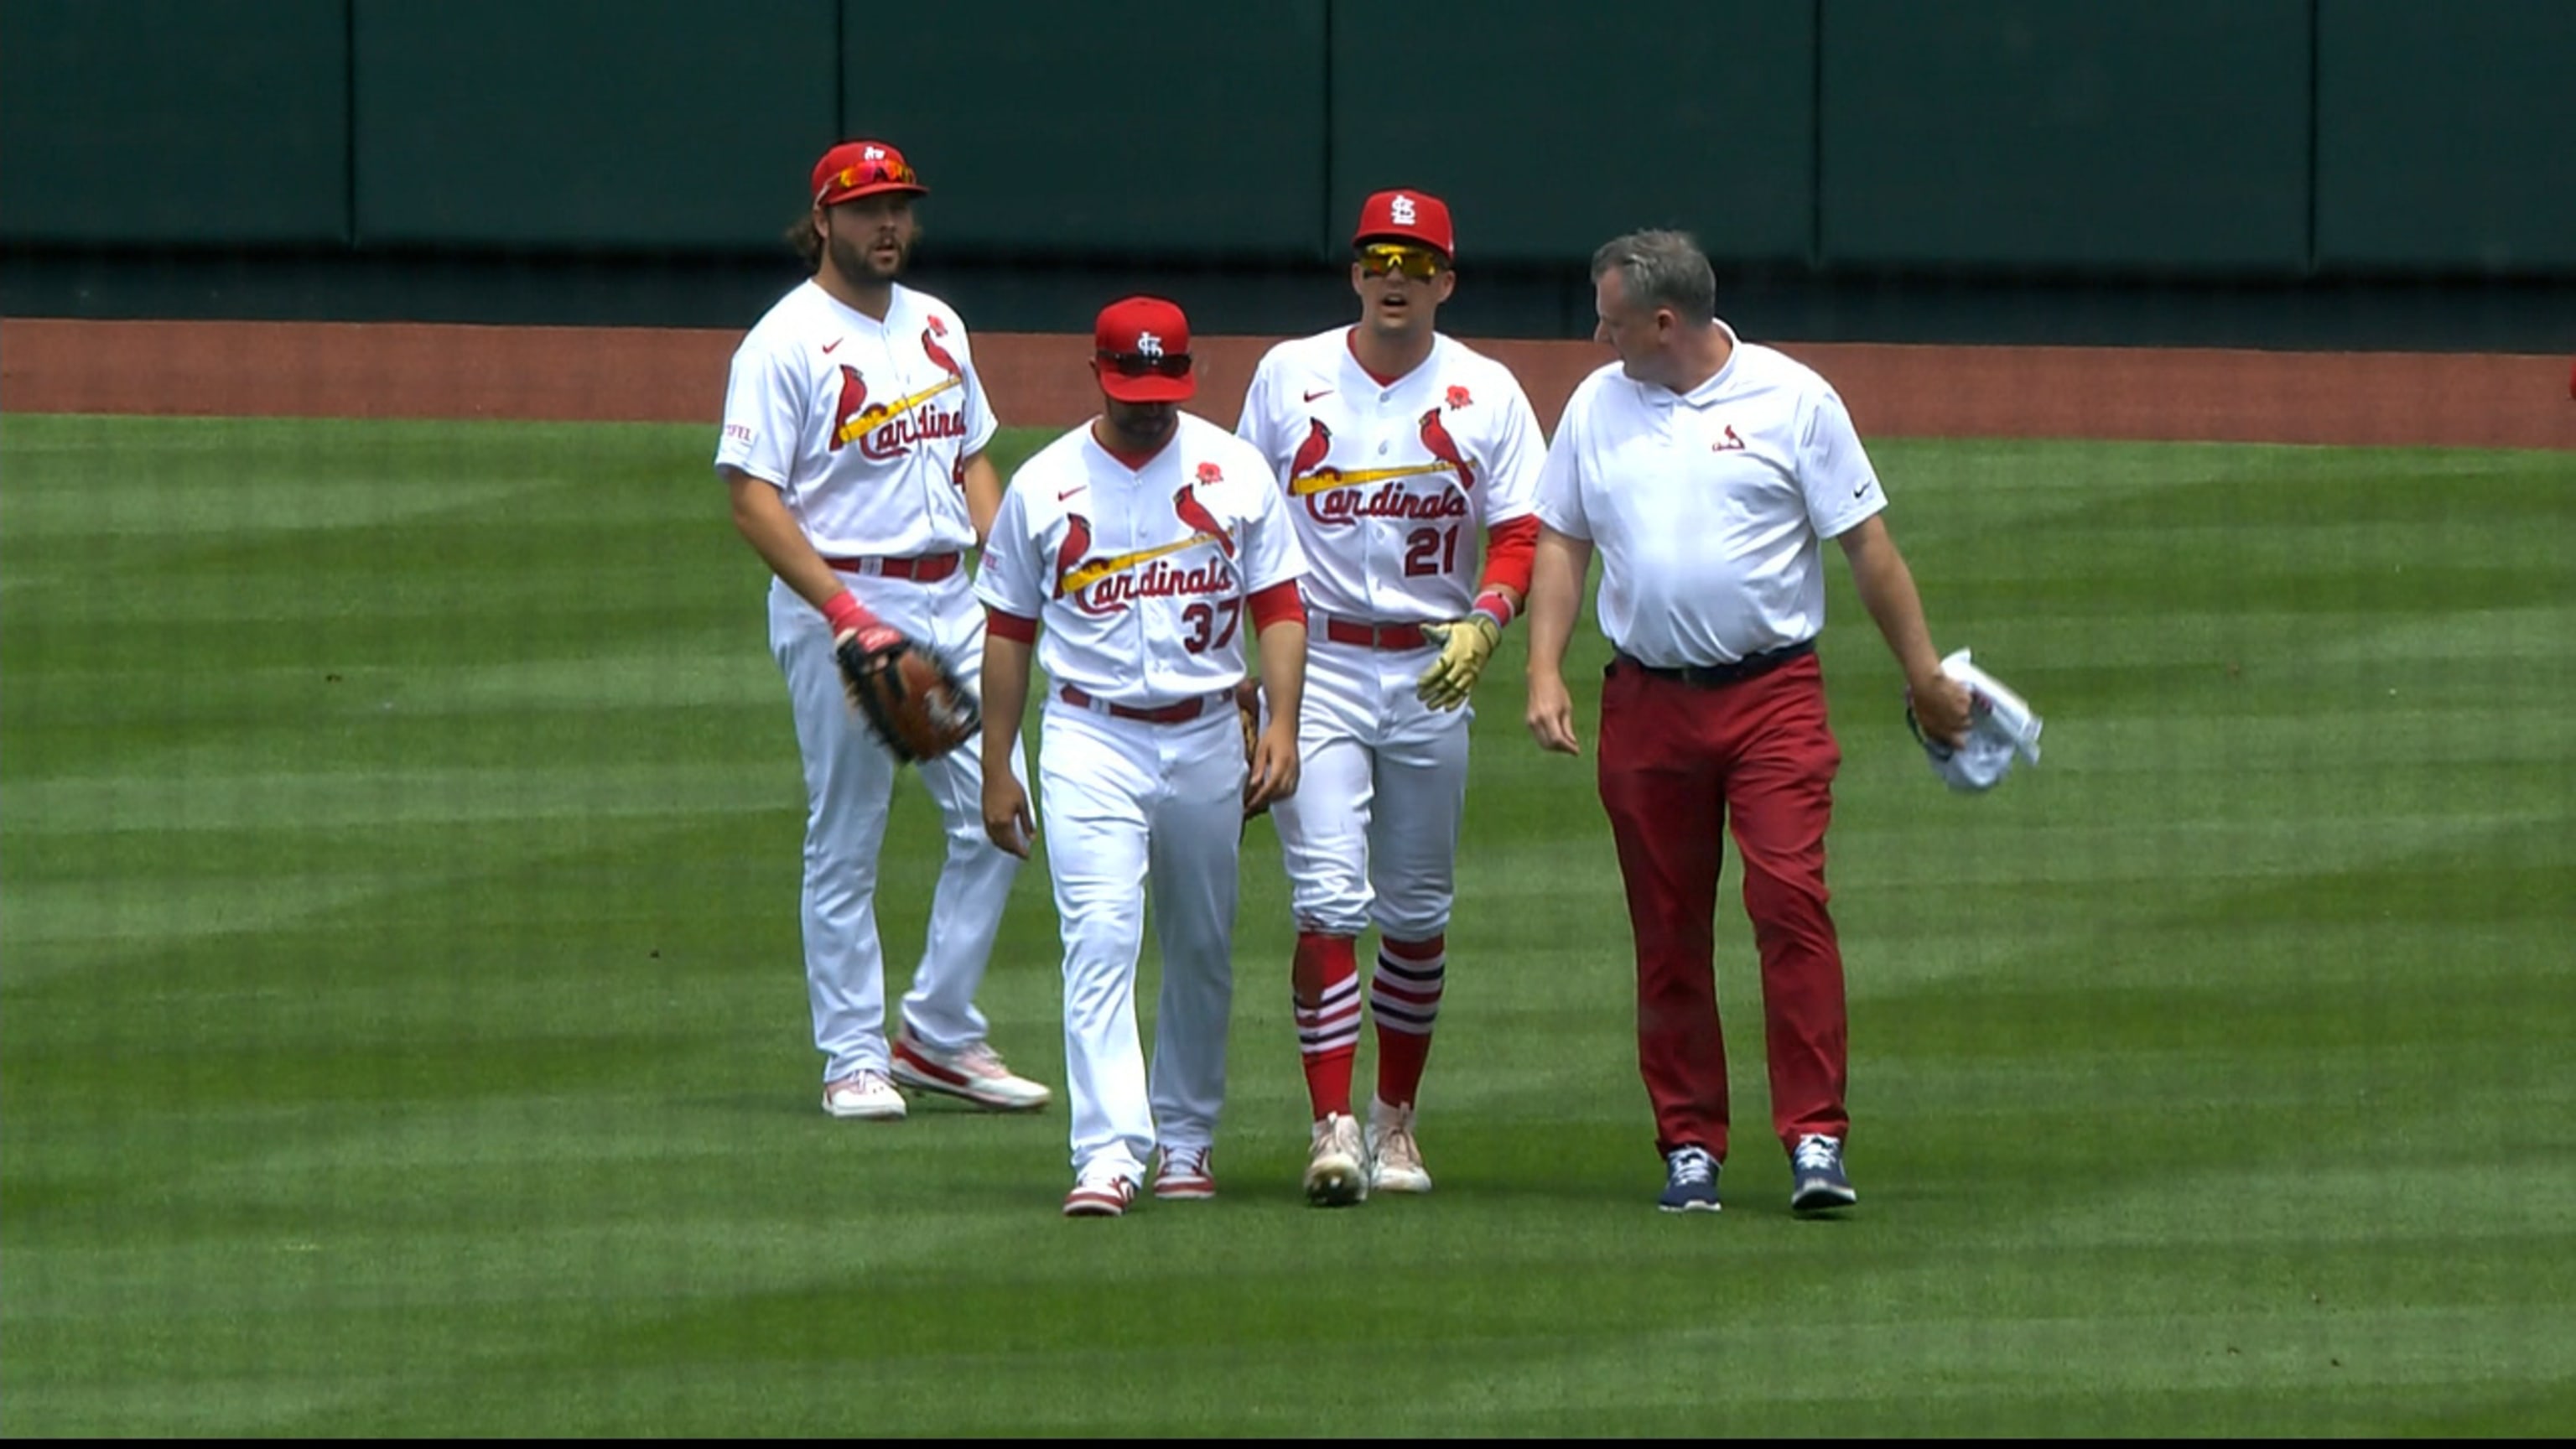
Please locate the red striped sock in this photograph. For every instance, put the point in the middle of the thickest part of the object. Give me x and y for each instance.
(1327, 974)
(1404, 996)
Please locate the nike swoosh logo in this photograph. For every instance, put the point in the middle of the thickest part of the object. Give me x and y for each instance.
(1319, 392)
(1861, 492)
(1068, 493)
(835, 342)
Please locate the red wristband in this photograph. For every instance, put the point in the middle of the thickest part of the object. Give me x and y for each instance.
(845, 614)
(1496, 605)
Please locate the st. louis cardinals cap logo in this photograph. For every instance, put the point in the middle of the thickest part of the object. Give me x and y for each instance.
(1400, 210)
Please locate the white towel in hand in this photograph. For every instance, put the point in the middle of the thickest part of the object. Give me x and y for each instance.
(2001, 726)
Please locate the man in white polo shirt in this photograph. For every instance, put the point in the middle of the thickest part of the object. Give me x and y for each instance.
(1706, 471)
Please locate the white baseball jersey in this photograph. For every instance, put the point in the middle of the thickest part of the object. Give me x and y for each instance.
(863, 425)
(1390, 484)
(1709, 508)
(1140, 576)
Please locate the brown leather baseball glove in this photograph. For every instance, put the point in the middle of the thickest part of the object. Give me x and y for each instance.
(1247, 708)
(913, 702)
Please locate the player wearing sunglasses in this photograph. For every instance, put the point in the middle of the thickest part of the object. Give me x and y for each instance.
(1133, 557)
(1407, 459)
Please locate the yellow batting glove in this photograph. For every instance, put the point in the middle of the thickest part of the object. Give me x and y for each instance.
(1465, 645)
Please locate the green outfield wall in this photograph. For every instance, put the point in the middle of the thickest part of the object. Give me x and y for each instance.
(1816, 146)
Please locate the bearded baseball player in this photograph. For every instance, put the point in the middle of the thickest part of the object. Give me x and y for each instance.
(854, 436)
(1395, 447)
(1146, 543)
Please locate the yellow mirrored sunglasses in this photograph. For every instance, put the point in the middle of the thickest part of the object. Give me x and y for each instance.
(1379, 258)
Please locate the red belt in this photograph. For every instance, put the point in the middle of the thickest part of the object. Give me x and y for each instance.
(930, 568)
(1182, 713)
(1374, 636)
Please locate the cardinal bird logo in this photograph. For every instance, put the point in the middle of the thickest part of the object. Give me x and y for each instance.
(1194, 513)
(1069, 554)
(1319, 441)
(937, 354)
(856, 417)
(854, 398)
(1445, 448)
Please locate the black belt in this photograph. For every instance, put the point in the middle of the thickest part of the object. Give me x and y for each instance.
(1711, 676)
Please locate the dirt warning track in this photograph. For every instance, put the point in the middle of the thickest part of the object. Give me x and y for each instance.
(402, 370)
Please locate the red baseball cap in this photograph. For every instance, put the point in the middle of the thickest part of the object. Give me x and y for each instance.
(1412, 216)
(863, 168)
(1142, 351)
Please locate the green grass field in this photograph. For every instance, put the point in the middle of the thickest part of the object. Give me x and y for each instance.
(405, 1033)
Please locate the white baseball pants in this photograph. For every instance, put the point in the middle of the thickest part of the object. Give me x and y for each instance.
(1372, 832)
(1127, 807)
(849, 788)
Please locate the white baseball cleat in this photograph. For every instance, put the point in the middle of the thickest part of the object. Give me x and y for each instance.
(1100, 1197)
(1394, 1158)
(973, 1072)
(1335, 1174)
(865, 1094)
(1181, 1174)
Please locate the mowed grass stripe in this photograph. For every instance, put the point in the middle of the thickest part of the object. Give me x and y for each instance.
(423, 1050)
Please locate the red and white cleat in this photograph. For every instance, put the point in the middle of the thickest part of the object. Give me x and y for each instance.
(1100, 1197)
(973, 1073)
(1181, 1174)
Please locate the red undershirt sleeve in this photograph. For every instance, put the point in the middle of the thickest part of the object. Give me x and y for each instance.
(1511, 550)
(1275, 603)
(1010, 626)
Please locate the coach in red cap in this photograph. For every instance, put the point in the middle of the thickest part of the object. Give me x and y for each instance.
(1141, 354)
(1148, 543)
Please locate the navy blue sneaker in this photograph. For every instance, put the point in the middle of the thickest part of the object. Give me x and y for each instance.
(1821, 1184)
(1690, 1181)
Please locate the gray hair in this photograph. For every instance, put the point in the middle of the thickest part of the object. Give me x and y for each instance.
(1661, 269)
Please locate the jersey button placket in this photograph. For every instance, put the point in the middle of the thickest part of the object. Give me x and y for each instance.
(1385, 553)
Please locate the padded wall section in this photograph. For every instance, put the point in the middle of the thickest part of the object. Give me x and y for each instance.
(2067, 134)
(2446, 135)
(634, 124)
(1154, 128)
(1546, 144)
(187, 123)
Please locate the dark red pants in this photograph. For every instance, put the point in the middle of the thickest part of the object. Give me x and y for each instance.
(1679, 764)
